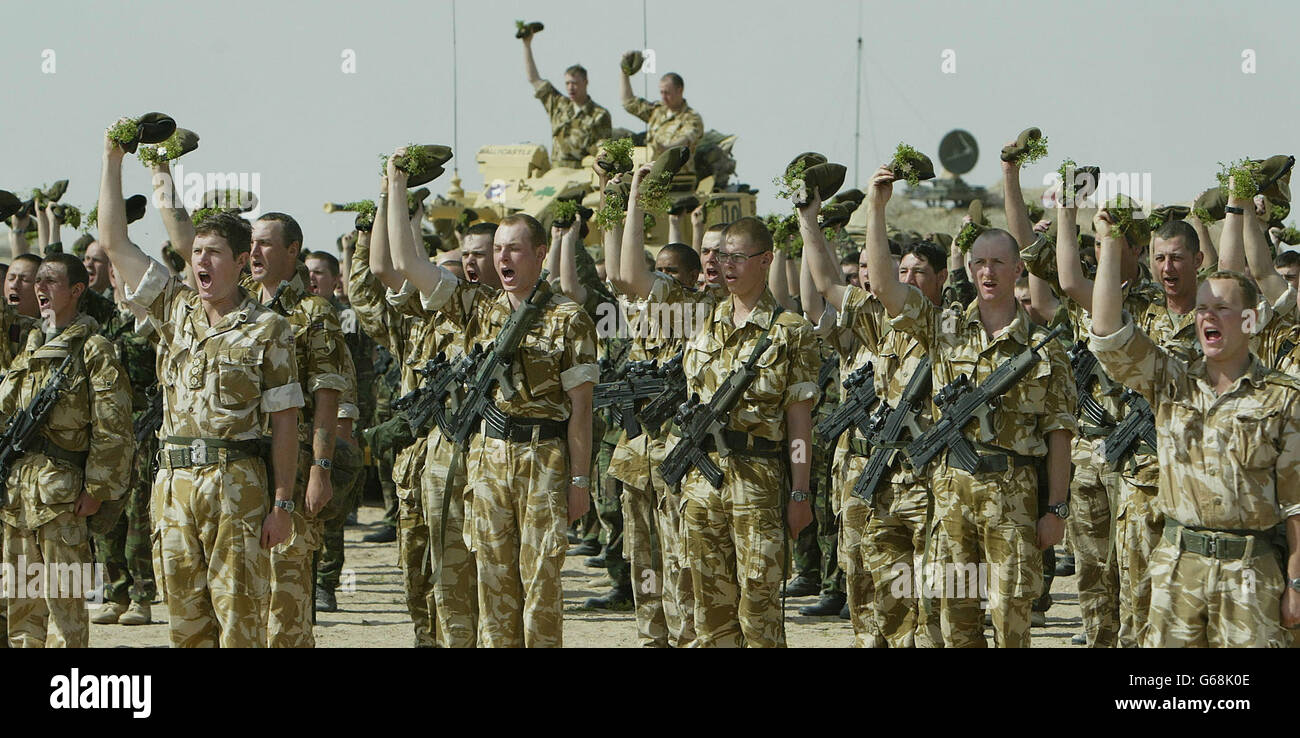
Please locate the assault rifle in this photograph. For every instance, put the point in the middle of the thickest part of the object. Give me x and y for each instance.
(639, 381)
(663, 406)
(1086, 370)
(421, 405)
(961, 400)
(151, 420)
(1138, 425)
(494, 369)
(698, 422)
(886, 429)
(826, 374)
(859, 398)
(24, 425)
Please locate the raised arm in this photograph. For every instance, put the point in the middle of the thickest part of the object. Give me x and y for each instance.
(177, 222)
(1232, 249)
(1107, 300)
(1203, 238)
(381, 260)
(1013, 203)
(625, 86)
(419, 271)
(1069, 269)
(567, 244)
(821, 267)
(636, 275)
(880, 267)
(18, 226)
(778, 280)
(128, 260)
(697, 229)
(43, 217)
(1259, 260)
(530, 66)
(809, 296)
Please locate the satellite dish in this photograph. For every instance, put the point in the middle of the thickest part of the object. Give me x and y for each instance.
(958, 151)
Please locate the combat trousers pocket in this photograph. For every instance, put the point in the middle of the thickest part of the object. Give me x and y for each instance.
(246, 565)
(766, 549)
(1017, 563)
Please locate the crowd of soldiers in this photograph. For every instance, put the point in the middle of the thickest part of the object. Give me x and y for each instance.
(878, 408)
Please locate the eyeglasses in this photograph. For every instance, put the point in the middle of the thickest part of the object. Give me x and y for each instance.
(738, 258)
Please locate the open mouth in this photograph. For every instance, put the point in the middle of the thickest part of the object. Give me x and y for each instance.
(711, 274)
(43, 301)
(507, 274)
(204, 279)
(13, 298)
(989, 285)
(1212, 336)
(471, 273)
(1169, 282)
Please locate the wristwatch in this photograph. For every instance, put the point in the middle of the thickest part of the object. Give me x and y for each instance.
(1233, 210)
(798, 495)
(1060, 510)
(1294, 584)
(285, 505)
(325, 464)
(583, 482)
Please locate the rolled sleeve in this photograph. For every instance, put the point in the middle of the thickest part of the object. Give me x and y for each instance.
(284, 397)
(578, 375)
(801, 391)
(917, 318)
(437, 298)
(1131, 358)
(327, 381)
(349, 411)
(1288, 463)
(153, 285)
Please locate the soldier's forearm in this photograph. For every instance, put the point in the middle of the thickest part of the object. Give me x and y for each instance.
(1058, 466)
(579, 431)
(1293, 545)
(284, 451)
(799, 432)
(325, 423)
(530, 66)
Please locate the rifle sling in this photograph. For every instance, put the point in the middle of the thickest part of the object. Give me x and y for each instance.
(55, 452)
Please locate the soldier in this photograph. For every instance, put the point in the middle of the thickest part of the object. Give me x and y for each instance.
(734, 537)
(520, 500)
(990, 516)
(578, 124)
(97, 266)
(19, 293)
(78, 459)
(228, 363)
(125, 550)
(1287, 264)
(669, 122)
(324, 277)
(886, 539)
(323, 372)
(1228, 432)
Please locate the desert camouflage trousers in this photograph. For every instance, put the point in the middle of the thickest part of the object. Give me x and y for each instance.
(1094, 497)
(208, 557)
(895, 552)
(125, 551)
(518, 515)
(985, 537)
(661, 578)
(1199, 601)
(290, 607)
(455, 582)
(413, 544)
(1138, 527)
(54, 615)
(859, 586)
(736, 548)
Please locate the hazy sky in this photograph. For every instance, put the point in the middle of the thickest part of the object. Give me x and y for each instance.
(1138, 87)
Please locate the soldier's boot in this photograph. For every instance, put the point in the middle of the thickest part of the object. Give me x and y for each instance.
(325, 600)
(619, 598)
(1065, 565)
(109, 613)
(585, 548)
(595, 562)
(844, 611)
(830, 603)
(386, 534)
(138, 613)
(802, 586)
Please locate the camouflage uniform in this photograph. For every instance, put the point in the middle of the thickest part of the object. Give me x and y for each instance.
(323, 364)
(409, 341)
(664, 127)
(125, 550)
(220, 381)
(330, 560)
(664, 597)
(607, 491)
(575, 129)
(1231, 474)
(14, 328)
(735, 536)
(519, 489)
(888, 538)
(85, 446)
(1111, 532)
(991, 517)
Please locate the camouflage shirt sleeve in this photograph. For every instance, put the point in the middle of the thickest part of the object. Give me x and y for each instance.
(863, 316)
(918, 318)
(112, 440)
(156, 292)
(1062, 400)
(1288, 463)
(640, 107)
(578, 364)
(804, 365)
(348, 408)
(367, 297)
(279, 376)
(1131, 358)
(325, 362)
(551, 98)
(604, 129)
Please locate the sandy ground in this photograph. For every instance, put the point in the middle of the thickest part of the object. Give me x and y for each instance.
(372, 609)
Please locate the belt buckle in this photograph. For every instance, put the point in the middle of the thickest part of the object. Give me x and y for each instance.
(1212, 547)
(198, 452)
